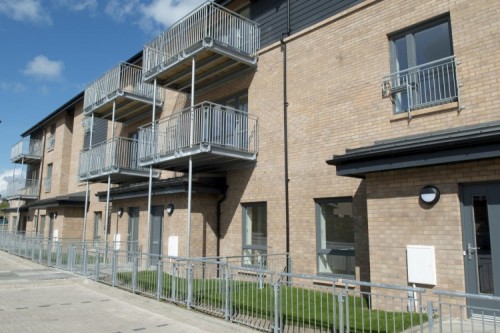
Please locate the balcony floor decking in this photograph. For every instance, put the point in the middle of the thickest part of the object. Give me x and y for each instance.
(205, 157)
(214, 63)
(118, 175)
(26, 159)
(129, 106)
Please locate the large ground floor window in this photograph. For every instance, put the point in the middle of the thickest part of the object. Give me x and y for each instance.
(335, 236)
(254, 232)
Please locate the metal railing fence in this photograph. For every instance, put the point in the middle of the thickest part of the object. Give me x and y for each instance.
(205, 123)
(208, 22)
(122, 78)
(22, 187)
(109, 156)
(26, 147)
(263, 299)
(422, 86)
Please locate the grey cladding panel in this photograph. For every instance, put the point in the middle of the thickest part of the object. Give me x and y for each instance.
(272, 15)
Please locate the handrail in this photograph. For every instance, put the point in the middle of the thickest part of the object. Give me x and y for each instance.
(22, 187)
(109, 155)
(123, 77)
(426, 85)
(210, 21)
(26, 147)
(212, 124)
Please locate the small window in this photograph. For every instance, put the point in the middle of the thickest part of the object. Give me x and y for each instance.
(335, 236)
(423, 72)
(254, 233)
(51, 140)
(48, 178)
(97, 226)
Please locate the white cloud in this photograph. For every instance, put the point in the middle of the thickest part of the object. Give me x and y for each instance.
(44, 68)
(5, 177)
(77, 5)
(25, 11)
(14, 87)
(120, 9)
(167, 12)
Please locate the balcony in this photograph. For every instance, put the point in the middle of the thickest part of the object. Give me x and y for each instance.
(216, 137)
(223, 43)
(123, 85)
(423, 86)
(26, 151)
(22, 188)
(116, 157)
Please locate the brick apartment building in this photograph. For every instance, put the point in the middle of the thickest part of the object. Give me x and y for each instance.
(358, 136)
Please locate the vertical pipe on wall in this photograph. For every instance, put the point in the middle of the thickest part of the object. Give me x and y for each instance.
(85, 213)
(191, 139)
(150, 188)
(109, 175)
(285, 131)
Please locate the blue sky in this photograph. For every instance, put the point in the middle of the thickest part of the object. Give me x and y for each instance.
(51, 49)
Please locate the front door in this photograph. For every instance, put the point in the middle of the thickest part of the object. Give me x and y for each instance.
(133, 230)
(156, 232)
(481, 223)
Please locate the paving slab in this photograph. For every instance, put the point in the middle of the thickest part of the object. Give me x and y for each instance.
(34, 298)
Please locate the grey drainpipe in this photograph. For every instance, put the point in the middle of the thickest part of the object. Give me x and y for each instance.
(219, 220)
(285, 130)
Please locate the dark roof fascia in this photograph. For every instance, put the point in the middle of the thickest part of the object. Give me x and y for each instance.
(462, 144)
(162, 187)
(23, 209)
(72, 102)
(74, 200)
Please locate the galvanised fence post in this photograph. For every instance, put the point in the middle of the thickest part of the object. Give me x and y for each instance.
(346, 298)
(40, 252)
(189, 268)
(174, 279)
(340, 298)
(277, 310)
(159, 279)
(84, 258)
(49, 253)
(33, 242)
(430, 316)
(134, 273)
(227, 292)
(97, 260)
(114, 265)
(58, 255)
(71, 257)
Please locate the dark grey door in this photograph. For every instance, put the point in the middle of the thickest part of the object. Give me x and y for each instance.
(156, 232)
(133, 230)
(481, 222)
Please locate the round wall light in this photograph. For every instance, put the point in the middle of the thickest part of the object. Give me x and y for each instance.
(429, 194)
(170, 209)
(120, 212)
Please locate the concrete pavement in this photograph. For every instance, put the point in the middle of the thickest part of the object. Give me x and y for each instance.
(35, 298)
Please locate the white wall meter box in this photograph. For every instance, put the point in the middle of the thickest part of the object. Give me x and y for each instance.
(421, 261)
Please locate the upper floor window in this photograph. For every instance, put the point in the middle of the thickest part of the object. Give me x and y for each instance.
(335, 236)
(422, 67)
(48, 178)
(51, 140)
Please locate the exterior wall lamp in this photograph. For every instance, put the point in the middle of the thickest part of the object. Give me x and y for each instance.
(429, 194)
(170, 209)
(120, 212)
(54, 215)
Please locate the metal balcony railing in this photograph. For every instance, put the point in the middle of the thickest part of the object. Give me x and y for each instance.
(26, 148)
(423, 86)
(210, 23)
(111, 156)
(22, 188)
(122, 78)
(211, 124)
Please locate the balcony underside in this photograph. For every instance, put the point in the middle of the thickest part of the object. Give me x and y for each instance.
(215, 62)
(119, 175)
(128, 106)
(205, 157)
(26, 159)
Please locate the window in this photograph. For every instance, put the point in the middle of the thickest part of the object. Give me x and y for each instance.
(41, 230)
(97, 225)
(422, 67)
(335, 236)
(51, 141)
(48, 178)
(229, 125)
(254, 233)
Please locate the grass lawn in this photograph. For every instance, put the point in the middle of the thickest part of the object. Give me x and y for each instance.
(299, 306)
